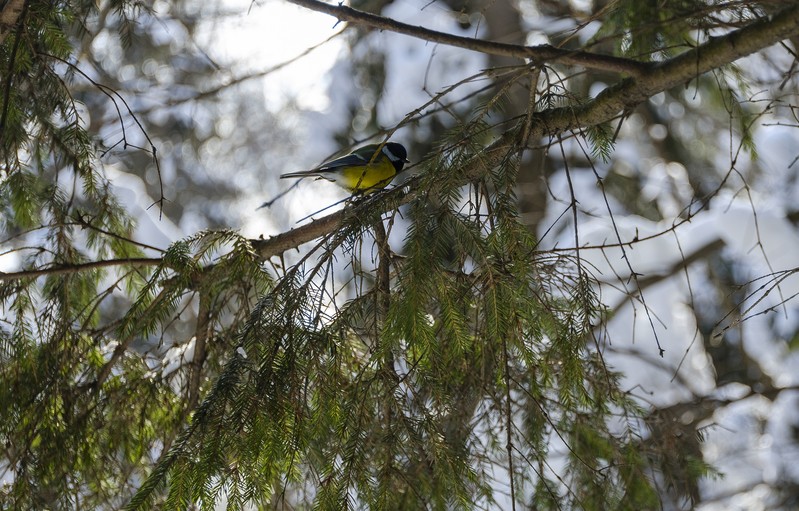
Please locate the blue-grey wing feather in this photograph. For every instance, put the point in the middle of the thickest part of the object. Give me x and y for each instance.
(344, 161)
(360, 156)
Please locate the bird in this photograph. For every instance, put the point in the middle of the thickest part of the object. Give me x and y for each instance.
(366, 169)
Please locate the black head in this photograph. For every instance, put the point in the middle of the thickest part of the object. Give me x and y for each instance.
(397, 154)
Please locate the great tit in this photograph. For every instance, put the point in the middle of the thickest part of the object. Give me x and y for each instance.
(366, 169)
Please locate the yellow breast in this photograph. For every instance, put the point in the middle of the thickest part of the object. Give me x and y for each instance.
(365, 177)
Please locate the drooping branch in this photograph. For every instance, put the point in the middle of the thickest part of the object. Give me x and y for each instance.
(540, 54)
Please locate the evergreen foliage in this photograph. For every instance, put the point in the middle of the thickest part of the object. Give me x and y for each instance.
(446, 372)
(405, 396)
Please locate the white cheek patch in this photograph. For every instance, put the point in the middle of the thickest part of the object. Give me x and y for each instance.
(389, 154)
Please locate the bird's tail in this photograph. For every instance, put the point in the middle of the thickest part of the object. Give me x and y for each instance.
(302, 173)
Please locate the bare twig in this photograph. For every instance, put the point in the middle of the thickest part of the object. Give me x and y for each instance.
(539, 54)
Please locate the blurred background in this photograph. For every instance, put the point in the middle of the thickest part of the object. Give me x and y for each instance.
(702, 179)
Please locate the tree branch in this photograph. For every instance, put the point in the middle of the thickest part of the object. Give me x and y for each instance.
(387, 199)
(75, 268)
(202, 334)
(539, 54)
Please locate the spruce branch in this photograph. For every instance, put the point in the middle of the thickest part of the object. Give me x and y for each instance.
(117, 98)
(680, 70)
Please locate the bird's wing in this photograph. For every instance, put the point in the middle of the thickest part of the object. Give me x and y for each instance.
(360, 156)
(351, 160)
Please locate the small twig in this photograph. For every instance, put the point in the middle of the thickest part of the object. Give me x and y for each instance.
(113, 95)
